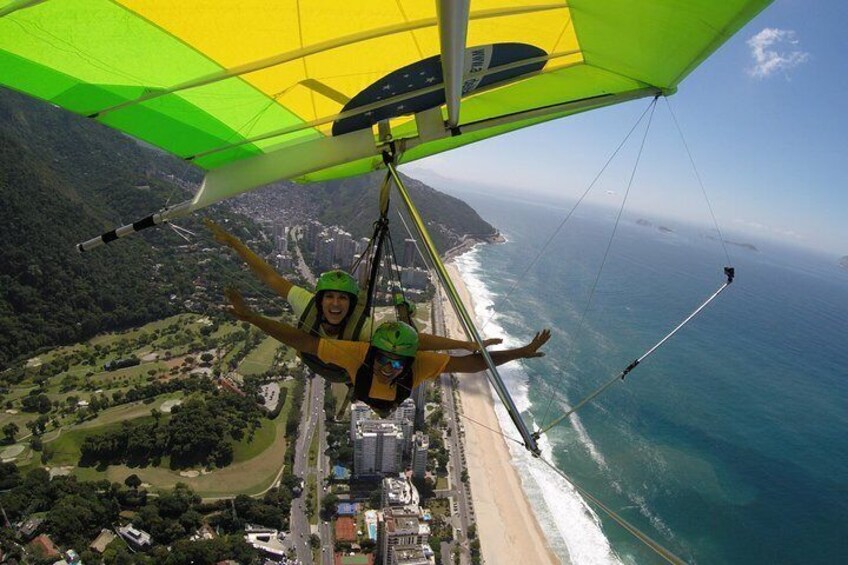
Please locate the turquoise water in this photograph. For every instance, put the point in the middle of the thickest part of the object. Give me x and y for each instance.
(728, 445)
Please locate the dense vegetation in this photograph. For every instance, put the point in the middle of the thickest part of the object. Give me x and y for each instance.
(64, 179)
(352, 204)
(76, 511)
(200, 431)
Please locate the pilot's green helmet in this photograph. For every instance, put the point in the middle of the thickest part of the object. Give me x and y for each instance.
(396, 337)
(338, 280)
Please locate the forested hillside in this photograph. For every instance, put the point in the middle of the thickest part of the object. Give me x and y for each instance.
(64, 179)
(353, 205)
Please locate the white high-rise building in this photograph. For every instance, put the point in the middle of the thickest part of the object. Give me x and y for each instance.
(404, 415)
(410, 254)
(400, 527)
(377, 448)
(359, 412)
(420, 445)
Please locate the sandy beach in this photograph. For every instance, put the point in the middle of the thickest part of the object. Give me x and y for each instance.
(508, 529)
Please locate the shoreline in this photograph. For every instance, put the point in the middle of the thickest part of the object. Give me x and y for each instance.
(508, 529)
(467, 243)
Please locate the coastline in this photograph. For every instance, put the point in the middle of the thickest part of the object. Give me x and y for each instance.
(467, 243)
(509, 530)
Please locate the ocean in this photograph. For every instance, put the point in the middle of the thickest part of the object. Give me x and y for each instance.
(730, 443)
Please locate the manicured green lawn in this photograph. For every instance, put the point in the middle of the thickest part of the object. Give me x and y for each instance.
(66, 449)
(260, 359)
(262, 439)
(256, 464)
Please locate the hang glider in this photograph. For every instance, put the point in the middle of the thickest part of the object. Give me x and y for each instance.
(262, 90)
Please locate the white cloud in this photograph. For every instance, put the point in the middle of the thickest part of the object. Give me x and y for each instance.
(775, 50)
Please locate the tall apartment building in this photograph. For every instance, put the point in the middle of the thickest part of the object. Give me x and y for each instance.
(414, 278)
(345, 249)
(359, 411)
(401, 528)
(310, 234)
(404, 416)
(377, 448)
(420, 445)
(410, 253)
(381, 445)
(324, 251)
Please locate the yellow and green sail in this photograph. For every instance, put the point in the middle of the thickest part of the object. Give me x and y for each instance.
(224, 83)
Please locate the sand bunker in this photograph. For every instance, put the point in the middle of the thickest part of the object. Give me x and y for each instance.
(169, 404)
(10, 452)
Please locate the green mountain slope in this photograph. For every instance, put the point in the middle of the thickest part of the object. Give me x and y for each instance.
(64, 179)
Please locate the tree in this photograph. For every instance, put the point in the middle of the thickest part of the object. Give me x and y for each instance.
(41, 423)
(10, 430)
(328, 505)
(133, 481)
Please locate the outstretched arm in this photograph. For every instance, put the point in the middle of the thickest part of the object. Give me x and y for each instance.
(263, 270)
(289, 335)
(475, 363)
(429, 342)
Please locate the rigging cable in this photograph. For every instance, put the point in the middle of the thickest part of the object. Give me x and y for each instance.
(729, 273)
(633, 530)
(653, 545)
(700, 182)
(568, 216)
(581, 324)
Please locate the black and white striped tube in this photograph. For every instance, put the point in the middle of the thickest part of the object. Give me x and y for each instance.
(171, 213)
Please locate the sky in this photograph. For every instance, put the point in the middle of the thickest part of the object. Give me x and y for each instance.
(764, 119)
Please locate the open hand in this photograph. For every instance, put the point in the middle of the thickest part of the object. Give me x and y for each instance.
(531, 349)
(220, 234)
(238, 307)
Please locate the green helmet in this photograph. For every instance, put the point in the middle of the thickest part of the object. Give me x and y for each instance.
(337, 280)
(397, 338)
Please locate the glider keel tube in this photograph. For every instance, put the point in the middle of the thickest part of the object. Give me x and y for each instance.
(172, 213)
(464, 317)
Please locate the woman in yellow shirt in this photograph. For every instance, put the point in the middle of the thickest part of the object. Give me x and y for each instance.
(385, 371)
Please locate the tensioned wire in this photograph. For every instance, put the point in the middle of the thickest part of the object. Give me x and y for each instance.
(582, 322)
(649, 542)
(700, 182)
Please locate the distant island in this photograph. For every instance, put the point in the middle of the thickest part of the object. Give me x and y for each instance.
(647, 224)
(750, 246)
(843, 262)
